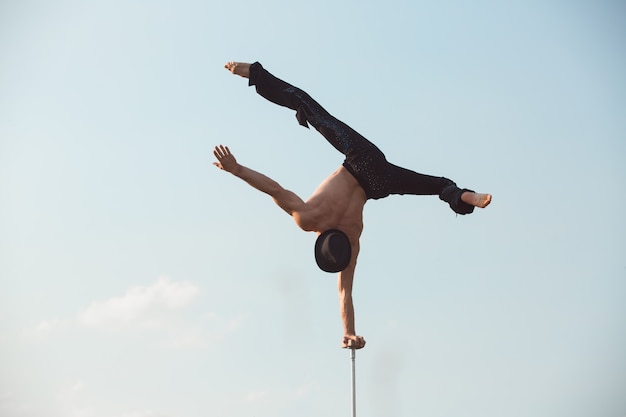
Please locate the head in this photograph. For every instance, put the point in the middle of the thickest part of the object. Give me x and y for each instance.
(333, 251)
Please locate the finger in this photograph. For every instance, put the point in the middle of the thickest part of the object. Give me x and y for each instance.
(219, 151)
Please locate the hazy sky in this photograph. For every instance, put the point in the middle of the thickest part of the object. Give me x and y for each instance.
(140, 281)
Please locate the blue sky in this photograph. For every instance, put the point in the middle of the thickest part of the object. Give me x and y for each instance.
(140, 281)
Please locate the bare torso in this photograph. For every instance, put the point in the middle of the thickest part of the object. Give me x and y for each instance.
(337, 203)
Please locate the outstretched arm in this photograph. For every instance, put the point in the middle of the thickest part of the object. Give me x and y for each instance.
(346, 307)
(285, 199)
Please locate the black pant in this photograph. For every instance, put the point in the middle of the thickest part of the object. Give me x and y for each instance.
(364, 160)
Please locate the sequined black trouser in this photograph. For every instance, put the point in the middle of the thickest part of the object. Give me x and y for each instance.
(378, 177)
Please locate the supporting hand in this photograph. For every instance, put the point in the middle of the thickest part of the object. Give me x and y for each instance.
(353, 341)
(226, 160)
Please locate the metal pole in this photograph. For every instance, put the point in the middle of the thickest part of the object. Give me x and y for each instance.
(352, 356)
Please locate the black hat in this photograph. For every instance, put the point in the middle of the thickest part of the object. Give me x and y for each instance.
(333, 251)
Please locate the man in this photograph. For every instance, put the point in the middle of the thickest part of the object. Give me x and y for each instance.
(335, 209)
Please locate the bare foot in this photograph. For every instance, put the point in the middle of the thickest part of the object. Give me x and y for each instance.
(475, 199)
(239, 68)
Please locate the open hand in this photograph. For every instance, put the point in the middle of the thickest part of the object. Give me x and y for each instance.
(225, 159)
(353, 342)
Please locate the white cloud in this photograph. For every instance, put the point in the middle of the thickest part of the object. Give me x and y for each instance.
(147, 307)
(71, 392)
(257, 395)
(133, 306)
(304, 391)
(202, 336)
(47, 326)
(77, 387)
(43, 328)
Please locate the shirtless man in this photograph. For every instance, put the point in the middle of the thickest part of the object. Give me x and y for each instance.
(337, 203)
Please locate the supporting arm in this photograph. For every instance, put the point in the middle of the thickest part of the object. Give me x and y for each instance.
(346, 306)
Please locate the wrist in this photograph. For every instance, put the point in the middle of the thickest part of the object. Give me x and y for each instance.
(236, 170)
